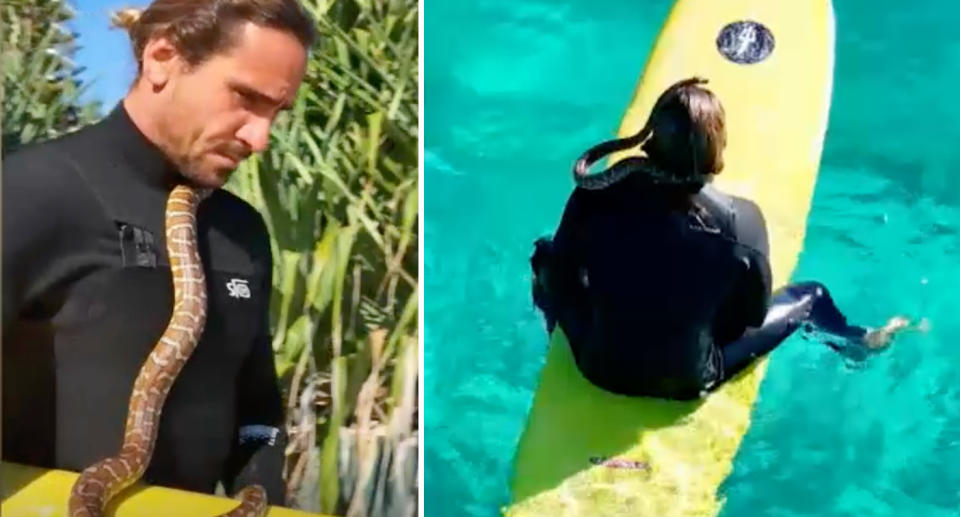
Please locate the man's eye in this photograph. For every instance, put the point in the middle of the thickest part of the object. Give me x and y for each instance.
(244, 98)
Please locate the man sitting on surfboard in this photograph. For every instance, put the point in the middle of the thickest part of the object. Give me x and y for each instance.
(662, 283)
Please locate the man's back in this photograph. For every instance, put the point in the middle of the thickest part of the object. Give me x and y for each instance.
(656, 276)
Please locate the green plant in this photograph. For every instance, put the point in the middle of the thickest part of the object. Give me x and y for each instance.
(339, 191)
(41, 85)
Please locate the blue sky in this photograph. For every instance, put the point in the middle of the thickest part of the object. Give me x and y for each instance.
(104, 51)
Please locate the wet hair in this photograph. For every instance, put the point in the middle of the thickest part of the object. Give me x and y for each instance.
(200, 29)
(687, 131)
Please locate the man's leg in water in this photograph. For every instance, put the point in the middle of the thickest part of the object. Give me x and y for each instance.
(807, 303)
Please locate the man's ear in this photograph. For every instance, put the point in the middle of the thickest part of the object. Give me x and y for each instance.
(161, 62)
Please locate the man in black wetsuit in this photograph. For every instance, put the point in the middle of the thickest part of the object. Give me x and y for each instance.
(662, 283)
(86, 279)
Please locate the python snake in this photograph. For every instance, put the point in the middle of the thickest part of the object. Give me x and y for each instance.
(99, 483)
(623, 168)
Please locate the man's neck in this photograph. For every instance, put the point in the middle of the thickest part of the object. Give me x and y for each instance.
(143, 114)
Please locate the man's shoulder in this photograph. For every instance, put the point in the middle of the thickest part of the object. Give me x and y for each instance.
(745, 206)
(45, 170)
(740, 207)
(238, 218)
(48, 159)
(238, 209)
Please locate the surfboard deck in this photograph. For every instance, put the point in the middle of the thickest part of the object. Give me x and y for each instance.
(34, 492)
(774, 77)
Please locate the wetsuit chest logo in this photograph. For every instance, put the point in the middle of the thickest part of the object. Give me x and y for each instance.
(238, 288)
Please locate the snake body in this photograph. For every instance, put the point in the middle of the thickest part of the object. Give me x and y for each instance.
(615, 173)
(99, 483)
(623, 168)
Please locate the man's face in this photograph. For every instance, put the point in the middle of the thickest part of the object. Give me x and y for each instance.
(218, 113)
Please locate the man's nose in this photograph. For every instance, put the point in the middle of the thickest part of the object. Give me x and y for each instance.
(256, 134)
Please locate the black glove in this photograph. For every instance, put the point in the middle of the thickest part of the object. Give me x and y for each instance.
(258, 459)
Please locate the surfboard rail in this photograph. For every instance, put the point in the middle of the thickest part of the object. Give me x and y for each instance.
(35, 492)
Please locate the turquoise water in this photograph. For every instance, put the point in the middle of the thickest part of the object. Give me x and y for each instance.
(516, 89)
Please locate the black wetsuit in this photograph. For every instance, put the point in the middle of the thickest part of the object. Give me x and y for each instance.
(661, 296)
(87, 292)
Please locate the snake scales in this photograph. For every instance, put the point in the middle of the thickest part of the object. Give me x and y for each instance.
(100, 482)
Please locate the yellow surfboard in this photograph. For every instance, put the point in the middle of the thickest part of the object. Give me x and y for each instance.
(32, 492)
(771, 64)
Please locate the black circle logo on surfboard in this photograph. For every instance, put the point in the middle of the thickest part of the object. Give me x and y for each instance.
(745, 42)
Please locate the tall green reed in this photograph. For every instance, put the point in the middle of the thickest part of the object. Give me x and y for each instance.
(338, 189)
(41, 85)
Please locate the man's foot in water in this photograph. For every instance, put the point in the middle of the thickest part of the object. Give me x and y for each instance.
(876, 339)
